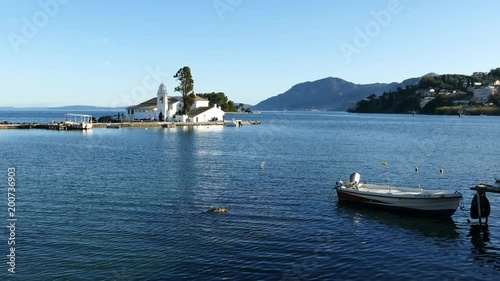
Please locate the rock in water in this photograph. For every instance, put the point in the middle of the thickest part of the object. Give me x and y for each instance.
(218, 210)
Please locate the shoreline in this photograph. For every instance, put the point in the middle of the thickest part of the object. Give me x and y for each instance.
(122, 125)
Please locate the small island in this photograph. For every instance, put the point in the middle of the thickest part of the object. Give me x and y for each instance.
(164, 110)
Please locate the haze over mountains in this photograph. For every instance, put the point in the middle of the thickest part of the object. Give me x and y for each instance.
(330, 93)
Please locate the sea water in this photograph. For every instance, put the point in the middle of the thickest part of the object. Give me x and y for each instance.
(131, 204)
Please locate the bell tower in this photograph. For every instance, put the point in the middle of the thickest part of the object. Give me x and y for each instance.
(162, 102)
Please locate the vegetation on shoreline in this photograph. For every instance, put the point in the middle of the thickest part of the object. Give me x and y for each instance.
(186, 86)
(438, 94)
(222, 100)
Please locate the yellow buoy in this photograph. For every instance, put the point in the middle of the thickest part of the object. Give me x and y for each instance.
(441, 170)
(218, 210)
(384, 163)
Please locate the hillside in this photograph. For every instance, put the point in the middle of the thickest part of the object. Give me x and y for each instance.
(327, 94)
(440, 94)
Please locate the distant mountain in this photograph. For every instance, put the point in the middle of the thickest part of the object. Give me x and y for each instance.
(327, 94)
(431, 74)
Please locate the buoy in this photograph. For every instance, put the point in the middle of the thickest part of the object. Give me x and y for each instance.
(416, 169)
(218, 210)
(384, 163)
(441, 170)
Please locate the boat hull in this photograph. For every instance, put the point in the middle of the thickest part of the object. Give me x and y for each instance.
(420, 204)
(79, 126)
(233, 123)
(230, 124)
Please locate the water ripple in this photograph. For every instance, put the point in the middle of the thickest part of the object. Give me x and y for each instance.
(131, 204)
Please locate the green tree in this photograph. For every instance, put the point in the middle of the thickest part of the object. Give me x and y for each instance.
(220, 99)
(495, 99)
(230, 106)
(186, 85)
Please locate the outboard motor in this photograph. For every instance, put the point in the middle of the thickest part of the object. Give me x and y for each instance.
(485, 206)
(354, 178)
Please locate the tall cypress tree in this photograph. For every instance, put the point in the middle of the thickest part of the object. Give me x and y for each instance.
(186, 86)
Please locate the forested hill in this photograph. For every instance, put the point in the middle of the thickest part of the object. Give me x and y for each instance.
(438, 94)
(327, 94)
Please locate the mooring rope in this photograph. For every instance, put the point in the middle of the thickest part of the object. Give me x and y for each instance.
(462, 207)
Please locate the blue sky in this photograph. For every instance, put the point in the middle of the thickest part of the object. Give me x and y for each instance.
(116, 53)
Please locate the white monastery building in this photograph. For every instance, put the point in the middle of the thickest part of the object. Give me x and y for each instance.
(165, 108)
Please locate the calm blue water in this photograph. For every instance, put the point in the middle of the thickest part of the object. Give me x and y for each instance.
(130, 204)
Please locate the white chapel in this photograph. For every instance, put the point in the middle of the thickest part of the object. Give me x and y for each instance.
(166, 108)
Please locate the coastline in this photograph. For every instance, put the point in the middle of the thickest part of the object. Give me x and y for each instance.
(123, 125)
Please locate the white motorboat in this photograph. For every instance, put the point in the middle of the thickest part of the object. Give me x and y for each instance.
(402, 199)
(233, 123)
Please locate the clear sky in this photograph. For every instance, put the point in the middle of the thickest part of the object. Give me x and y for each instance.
(116, 53)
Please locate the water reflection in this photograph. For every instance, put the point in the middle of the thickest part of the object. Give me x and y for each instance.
(482, 252)
(191, 129)
(427, 227)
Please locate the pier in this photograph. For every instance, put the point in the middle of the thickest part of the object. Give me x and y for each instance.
(53, 126)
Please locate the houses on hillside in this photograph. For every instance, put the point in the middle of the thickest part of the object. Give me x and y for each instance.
(480, 93)
(167, 108)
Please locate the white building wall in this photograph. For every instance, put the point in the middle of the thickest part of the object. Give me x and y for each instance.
(141, 114)
(214, 112)
(172, 109)
(199, 103)
(181, 118)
